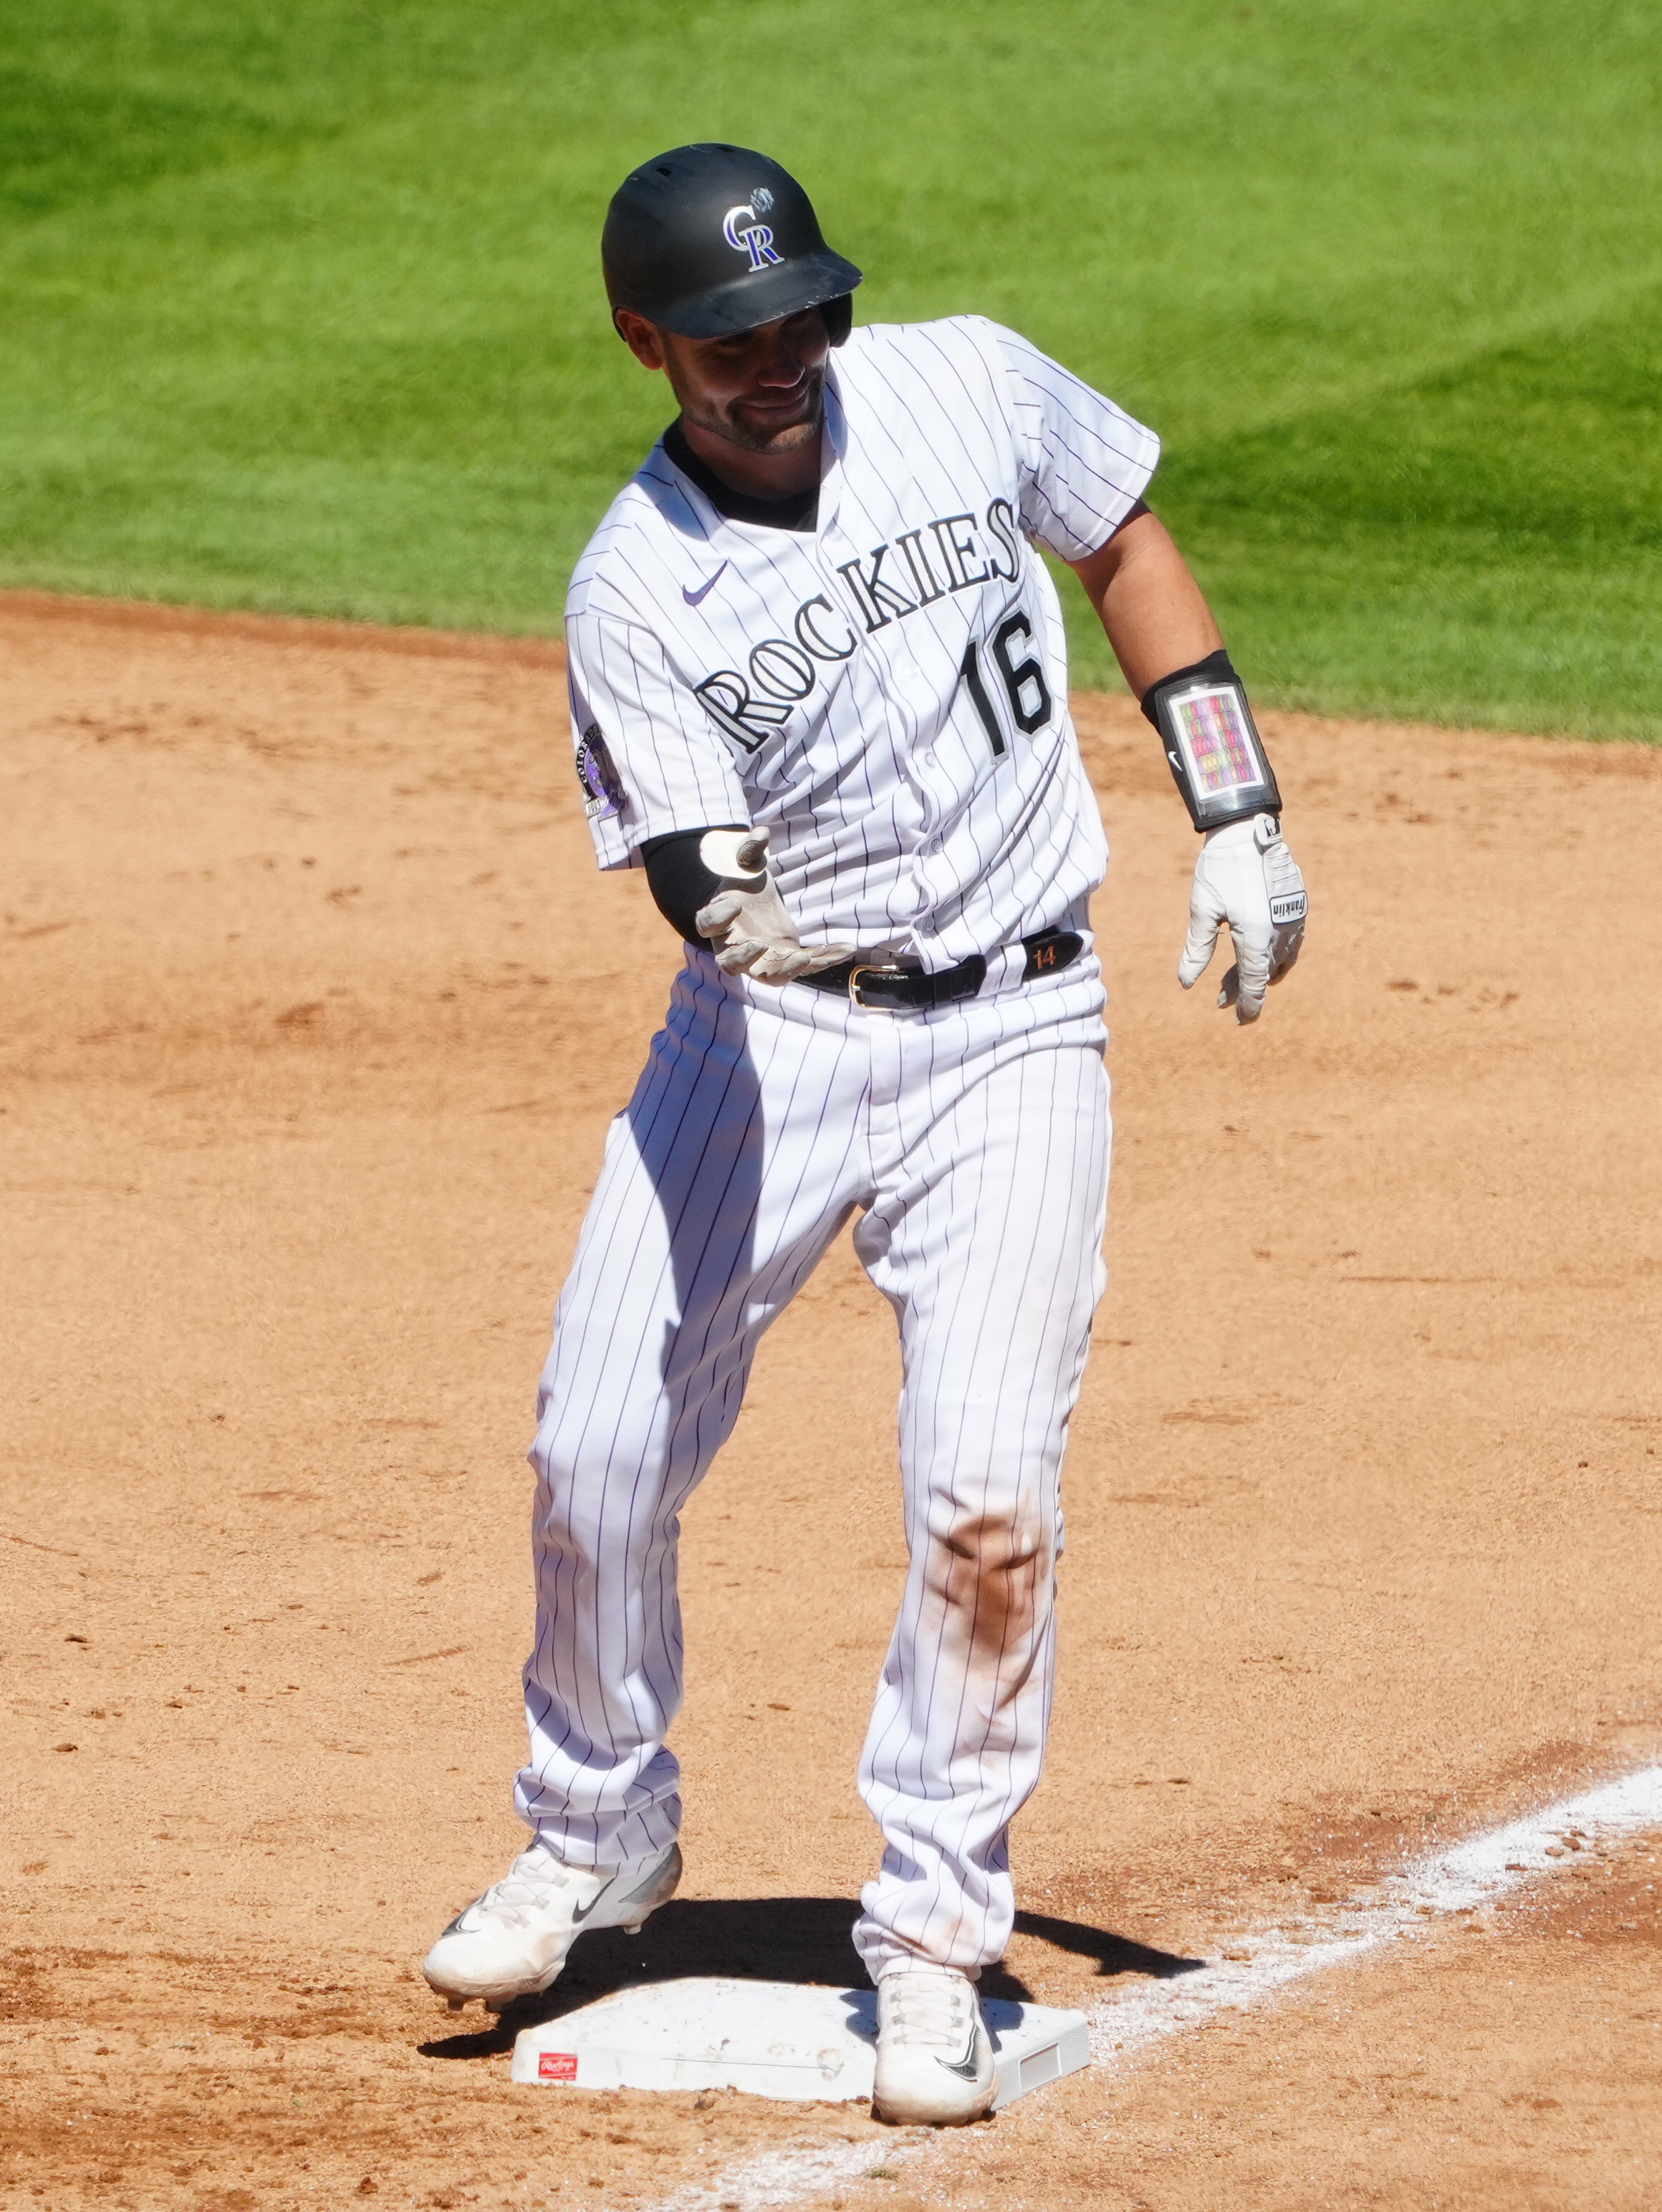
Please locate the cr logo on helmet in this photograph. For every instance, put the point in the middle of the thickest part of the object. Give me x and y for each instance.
(745, 233)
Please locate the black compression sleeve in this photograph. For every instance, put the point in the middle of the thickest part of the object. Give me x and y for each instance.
(679, 881)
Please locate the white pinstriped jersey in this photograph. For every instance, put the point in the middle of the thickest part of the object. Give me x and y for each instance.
(888, 692)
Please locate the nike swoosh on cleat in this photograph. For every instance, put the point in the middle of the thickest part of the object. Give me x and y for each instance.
(696, 599)
(966, 2068)
(580, 1915)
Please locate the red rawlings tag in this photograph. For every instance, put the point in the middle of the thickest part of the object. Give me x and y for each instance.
(557, 2065)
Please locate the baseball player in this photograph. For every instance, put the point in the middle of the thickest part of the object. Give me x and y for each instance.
(819, 694)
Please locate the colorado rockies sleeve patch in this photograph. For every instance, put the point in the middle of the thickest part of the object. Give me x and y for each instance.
(603, 789)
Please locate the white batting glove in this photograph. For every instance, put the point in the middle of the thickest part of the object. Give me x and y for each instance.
(1246, 876)
(749, 928)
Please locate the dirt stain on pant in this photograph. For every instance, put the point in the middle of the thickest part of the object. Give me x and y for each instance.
(992, 1576)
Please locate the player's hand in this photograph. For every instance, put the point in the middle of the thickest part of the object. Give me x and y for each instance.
(1246, 876)
(748, 924)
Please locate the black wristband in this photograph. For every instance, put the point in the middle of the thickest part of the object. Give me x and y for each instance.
(679, 881)
(1212, 743)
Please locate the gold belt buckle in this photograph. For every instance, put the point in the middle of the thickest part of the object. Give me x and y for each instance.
(871, 968)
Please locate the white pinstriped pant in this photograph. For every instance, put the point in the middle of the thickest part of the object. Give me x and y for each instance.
(974, 1140)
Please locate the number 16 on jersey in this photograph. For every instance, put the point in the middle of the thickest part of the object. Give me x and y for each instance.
(1023, 682)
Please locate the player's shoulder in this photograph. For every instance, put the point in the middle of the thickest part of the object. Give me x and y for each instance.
(1000, 351)
(623, 572)
(958, 361)
(962, 340)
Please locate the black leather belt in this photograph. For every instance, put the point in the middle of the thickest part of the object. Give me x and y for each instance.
(894, 989)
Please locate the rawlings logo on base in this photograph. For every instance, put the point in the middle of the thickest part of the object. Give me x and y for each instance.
(557, 2065)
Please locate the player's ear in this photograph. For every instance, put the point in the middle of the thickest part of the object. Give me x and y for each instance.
(643, 339)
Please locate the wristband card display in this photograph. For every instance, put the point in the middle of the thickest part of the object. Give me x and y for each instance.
(1217, 746)
(1215, 753)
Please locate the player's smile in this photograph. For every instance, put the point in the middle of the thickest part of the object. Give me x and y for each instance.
(796, 404)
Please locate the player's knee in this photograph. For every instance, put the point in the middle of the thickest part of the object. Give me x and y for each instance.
(991, 1571)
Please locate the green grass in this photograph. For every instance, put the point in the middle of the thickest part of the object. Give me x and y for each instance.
(302, 311)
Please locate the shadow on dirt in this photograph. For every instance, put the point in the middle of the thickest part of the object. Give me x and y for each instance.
(772, 1939)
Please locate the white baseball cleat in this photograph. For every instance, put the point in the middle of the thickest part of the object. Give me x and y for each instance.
(513, 1941)
(935, 2057)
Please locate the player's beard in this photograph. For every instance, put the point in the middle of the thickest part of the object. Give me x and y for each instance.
(729, 422)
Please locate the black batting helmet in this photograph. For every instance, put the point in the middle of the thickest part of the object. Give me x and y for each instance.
(711, 240)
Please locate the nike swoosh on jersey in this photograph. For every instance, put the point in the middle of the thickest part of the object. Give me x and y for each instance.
(696, 599)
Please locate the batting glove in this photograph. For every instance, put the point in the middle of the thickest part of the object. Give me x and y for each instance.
(749, 928)
(1246, 876)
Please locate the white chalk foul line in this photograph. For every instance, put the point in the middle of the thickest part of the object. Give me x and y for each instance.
(1460, 1879)
(789, 2177)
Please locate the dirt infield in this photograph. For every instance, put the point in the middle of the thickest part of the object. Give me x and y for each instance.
(314, 1012)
